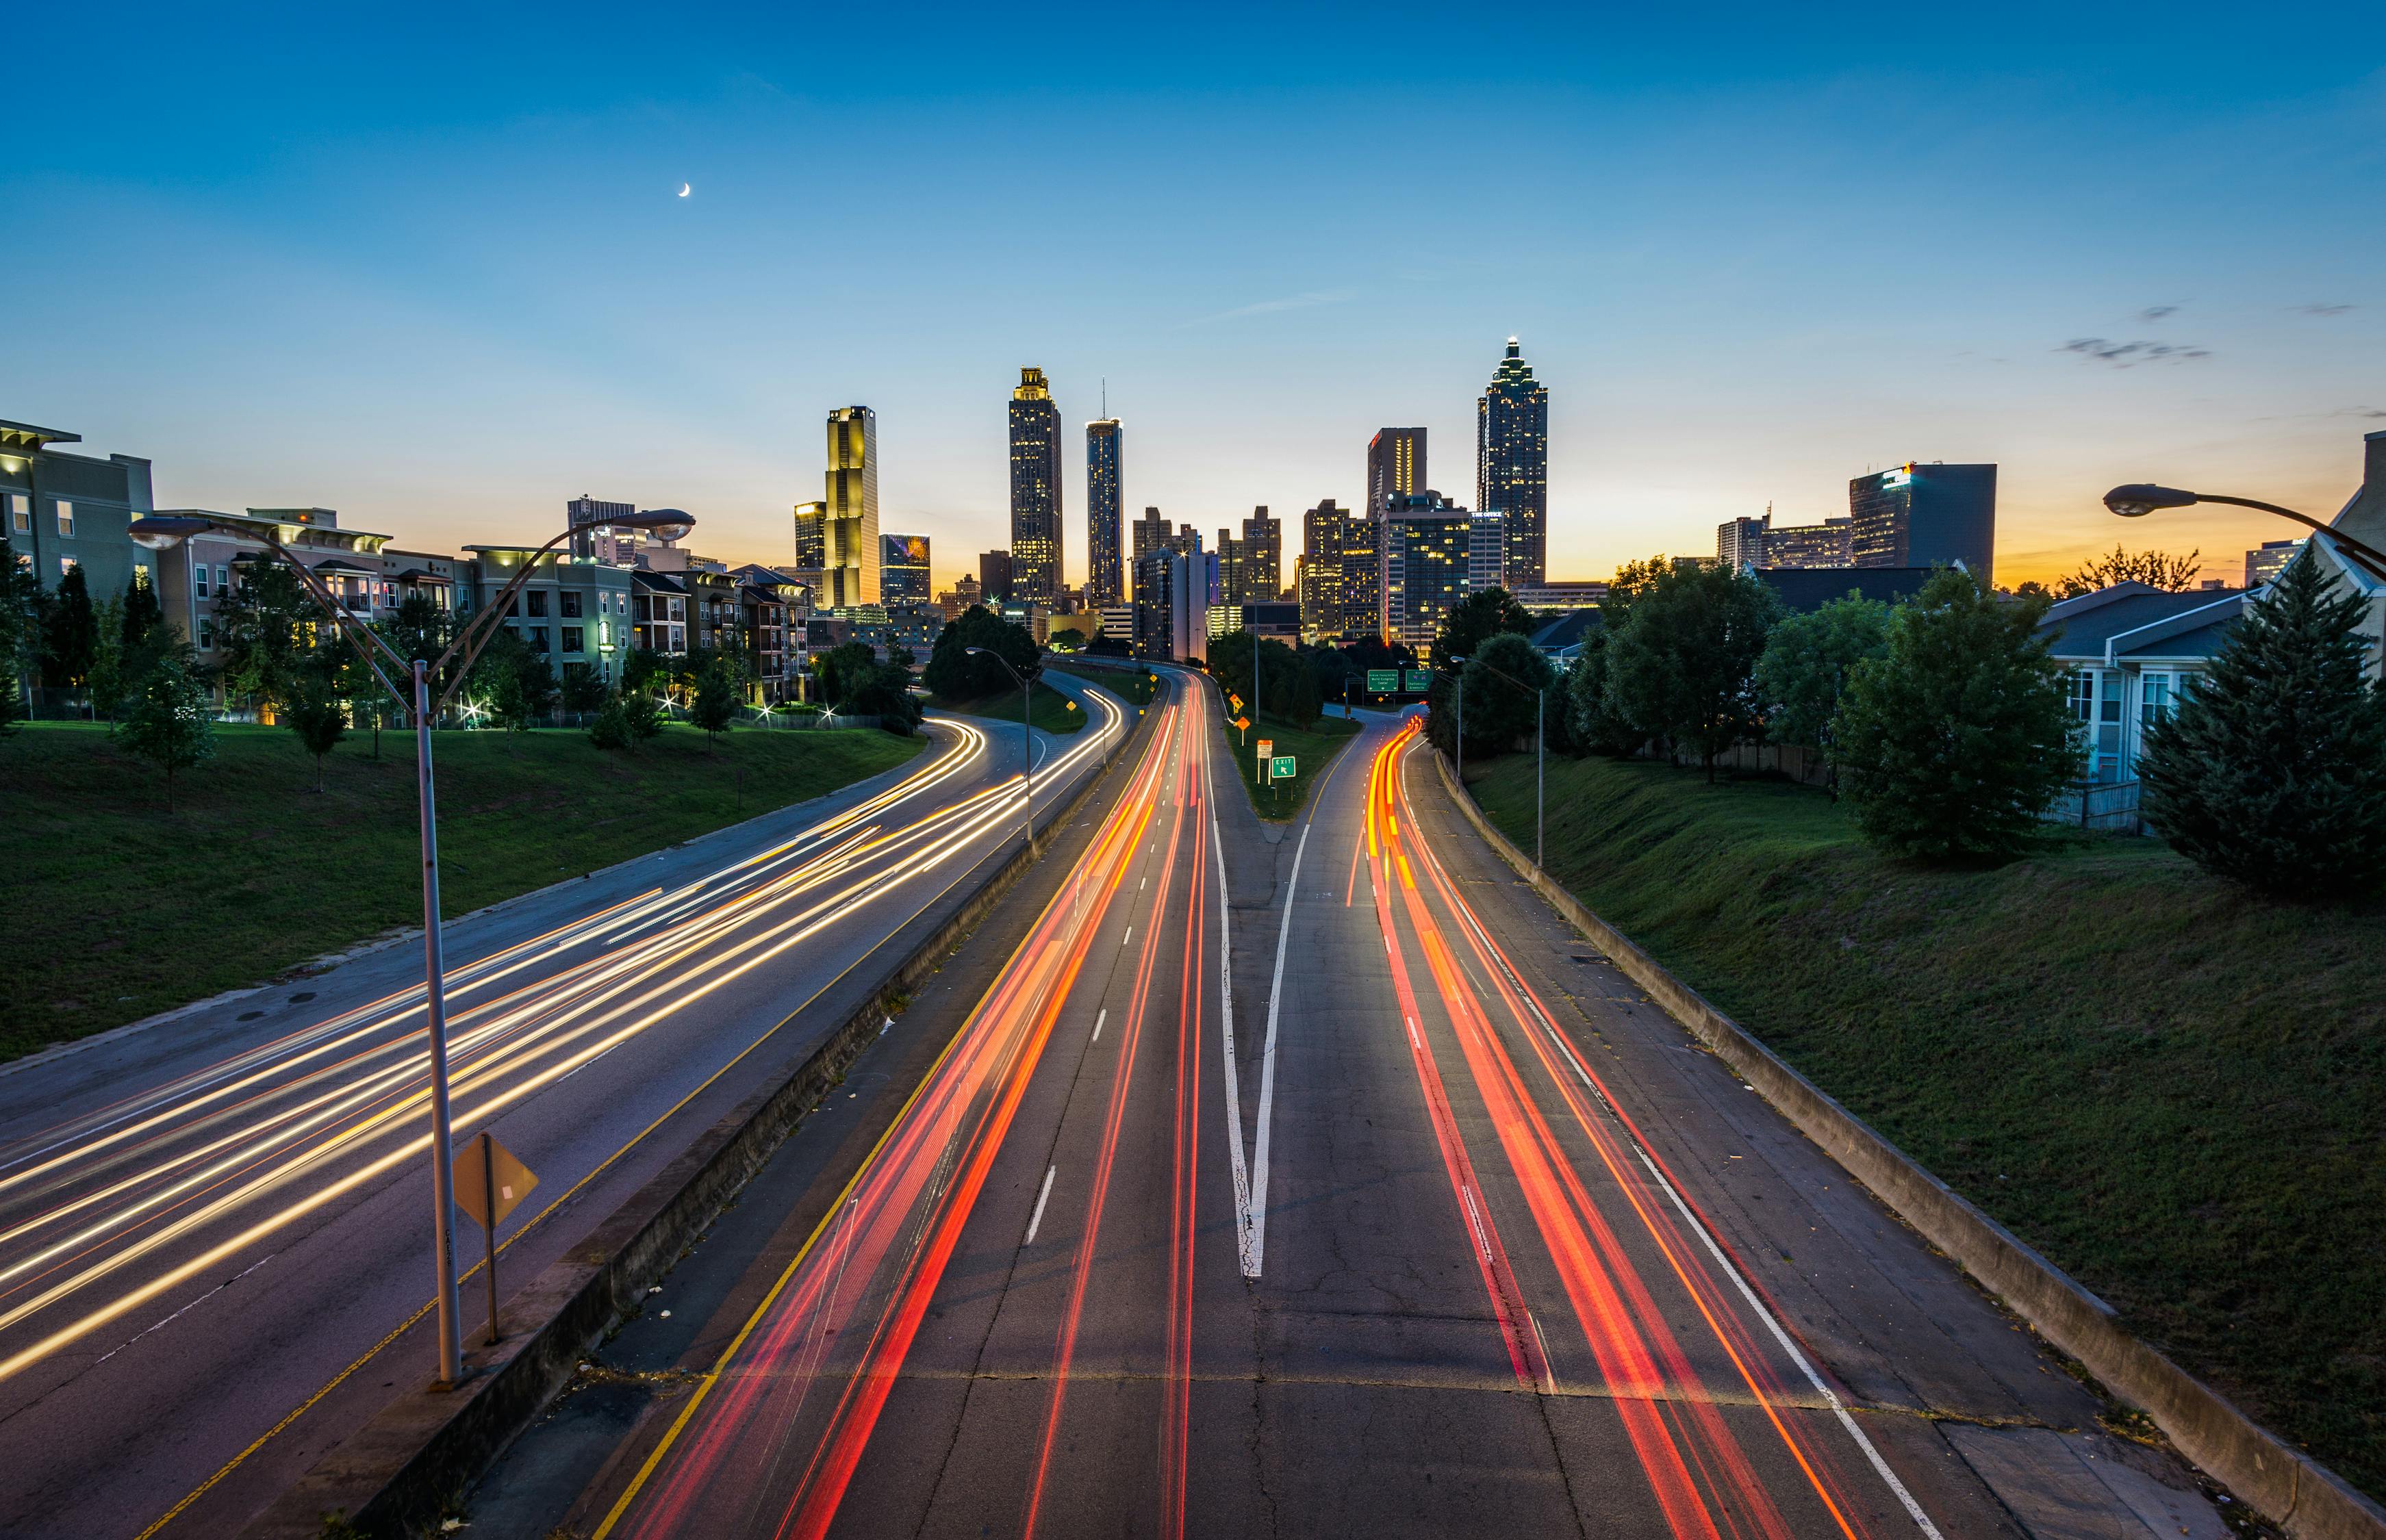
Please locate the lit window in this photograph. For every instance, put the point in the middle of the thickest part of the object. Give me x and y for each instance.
(66, 565)
(20, 513)
(65, 520)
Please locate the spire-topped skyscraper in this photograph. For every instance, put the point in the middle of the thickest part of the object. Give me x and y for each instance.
(1511, 465)
(1035, 490)
(1105, 515)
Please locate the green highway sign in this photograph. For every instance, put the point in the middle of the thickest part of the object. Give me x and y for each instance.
(1420, 680)
(1383, 682)
(1283, 768)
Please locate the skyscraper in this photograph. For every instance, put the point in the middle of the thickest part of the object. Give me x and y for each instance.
(1511, 464)
(1035, 490)
(1424, 565)
(811, 545)
(1362, 576)
(903, 576)
(1262, 545)
(1151, 533)
(997, 575)
(1321, 569)
(1105, 515)
(849, 554)
(1486, 550)
(589, 517)
(1395, 466)
(1925, 516)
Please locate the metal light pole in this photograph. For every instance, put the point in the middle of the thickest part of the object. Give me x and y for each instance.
(1027, 743)
(163, 532)
(1540, 747)
(2139, 498)
(1458, 688)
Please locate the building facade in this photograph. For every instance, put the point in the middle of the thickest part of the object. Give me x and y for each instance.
(1362, 578)
(995, 575)
(1918, 515)
(903, 570)
(2268, 559)
(1262, 545)
(1395, 466)
(67, 512)
(1151, 532)
(1427, 552)
(1036, 546)
(1486, 549)
(1171, 606)
(591, 536)
(1105, 514)
(850, 552)
(577, 612)
(811, 543)
(1745, 543)
(1511, 464)
(1321, 570)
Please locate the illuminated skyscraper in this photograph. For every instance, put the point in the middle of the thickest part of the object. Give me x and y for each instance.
(1105, 515)
(1395, 466)
(1921, 515)
(1262, 545)
(1424, 563)
(849, 556)
(1511, 465)
(903, 575)
(1321, 569)
(1035, 490)
(811, 545)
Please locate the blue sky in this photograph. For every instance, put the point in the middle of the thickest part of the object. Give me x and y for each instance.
(431, 268)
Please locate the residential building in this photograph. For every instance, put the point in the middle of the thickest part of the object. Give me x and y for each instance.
(1322, 539)
(1511, 464)
(1428, 546)
(1263, 563)
(1231, 586)
(575, 611)
(1362, 578)
(659, 612)
(1105, 514)
(2131, 652)
(1151, 532)
(849, 554)
(995, 575)
(1918, 515)
(964, 592)
(773, 605)
(353, 565)
(593, 536)
(1036, 544)
(1395, 466)
(1486, 550)
(1561, 639)
(2268, 559)
(1740, 542)
(67, 511)
(903, 569)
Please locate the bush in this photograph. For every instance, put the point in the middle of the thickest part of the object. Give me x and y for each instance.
(1954, 739)
(611, 728)
(2273, 768)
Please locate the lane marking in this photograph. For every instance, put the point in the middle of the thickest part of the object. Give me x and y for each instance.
(1234, 1097)
(1129, 936)
(1103, 1016)
(1255, 1207)
(1036, 1218)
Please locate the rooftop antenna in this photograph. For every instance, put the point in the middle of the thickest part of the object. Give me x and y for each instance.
(1106, 397)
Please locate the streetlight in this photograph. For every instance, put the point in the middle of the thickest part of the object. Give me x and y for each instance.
(163, 532)
(1540, 741)
(1027, 742)
(1458, 688)
(2139, 498)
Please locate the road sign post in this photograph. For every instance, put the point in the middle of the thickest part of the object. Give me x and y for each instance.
(489, 1182)
(1284, 767)
(1267, 752)
(1383, 682)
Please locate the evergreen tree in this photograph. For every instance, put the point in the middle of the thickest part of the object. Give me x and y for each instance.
(715, 711)
(70, 634)
(167, 721)
(1953, 740)
(141, 614)
(108, 672)
(2273, 768)
(612, 729)
(20, 633)
(315, 712)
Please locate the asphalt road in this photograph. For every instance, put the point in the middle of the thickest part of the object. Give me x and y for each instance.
(215, 1253)
(1521, 1258)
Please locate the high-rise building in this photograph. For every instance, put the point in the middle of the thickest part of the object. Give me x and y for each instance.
(2267, 562)
(903, 569)
(1741, 544)
(1921, 515)
(1426, 548)
(1262, 560)
(1828, 544)
(1231, 586)
(995, 574)
(1171, 604)
(593, 539)
(850, 553)
(1486, 549)
(1395, 466)
(1511, 464)
(1322, 539)
(811, 545)
(1105, 515)
(1035, 490)
(1151, 532)
(1362, 577)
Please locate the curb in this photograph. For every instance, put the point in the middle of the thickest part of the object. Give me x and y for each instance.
(399, 1472)
(2290, 1488)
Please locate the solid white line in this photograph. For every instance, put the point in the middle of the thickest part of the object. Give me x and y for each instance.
(1103, 1016)
(1233, 1098)
(1255, 1208)
(1038, 1218)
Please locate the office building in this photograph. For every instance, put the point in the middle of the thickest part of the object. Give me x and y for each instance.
(1262, 565)
(1426, 551)
(1278, 620)
(1395, 466)
(1562, 596)
(2269, 560)
(1105, 515)
(67, 511)
(849, 554)
(994, 576)
(1746, 544)
(1322, 539)
(1918, 515)
(1511, 464)
(1230, 569)
(1486, 551)
(1151, 532)
(1741, 544)
(592, 536)
(1171, 606)
(811, 543)
(1036, 547)
(1362, 578)
(903, 569)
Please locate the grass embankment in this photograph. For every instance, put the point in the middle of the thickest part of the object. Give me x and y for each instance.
(1048, 710)
(1312, 748)
(2171, 1087)
(1135, 686)
(118, 909)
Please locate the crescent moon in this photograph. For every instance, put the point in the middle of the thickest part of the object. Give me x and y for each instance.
(683, 189)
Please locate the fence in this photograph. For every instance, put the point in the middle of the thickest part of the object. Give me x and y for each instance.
(2108, 805)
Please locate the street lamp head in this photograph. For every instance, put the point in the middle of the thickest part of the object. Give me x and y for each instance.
(2139, 498)
(163, 532)
(662, 523)
(972, 651)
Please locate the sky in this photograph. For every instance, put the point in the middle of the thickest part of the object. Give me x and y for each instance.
(431, 267)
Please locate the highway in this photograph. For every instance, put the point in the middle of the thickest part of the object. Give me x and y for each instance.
(215, 1233)
(1319, 1181)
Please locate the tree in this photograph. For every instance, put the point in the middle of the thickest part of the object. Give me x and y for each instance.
(853, 680)
(315, 712)
(1804, 670)
(1481, 615)
(20, 633)
(2273, 769)
(1287, 688)
(612, 728)
(1682, 665)
(70, 633)
(511, 682)
(420, 627)
(1498, 712)
(1953, 740)
(107, 679)
(957, 674)
(1593, 722)
(716, 695)
(2155, 568)
(264, 626)
(141, 613)
(583, 689)
(167, 721)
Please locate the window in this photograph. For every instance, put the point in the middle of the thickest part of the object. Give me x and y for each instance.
(2083, 695)
(538, 638)
(206, 635)
(20, 513)
(2156, 699)
(66, 565)
(224, 578)
(573, 636)
(199, 581)
(65, 520)
(537, 597)
(567, 606)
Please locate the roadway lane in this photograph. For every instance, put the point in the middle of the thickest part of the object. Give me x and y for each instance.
(1522, 1261)
(212, 1226)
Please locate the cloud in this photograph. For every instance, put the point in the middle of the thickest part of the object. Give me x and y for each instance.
(2322, 310)
(2156, 312)
(2129, 355)
(1270, 307)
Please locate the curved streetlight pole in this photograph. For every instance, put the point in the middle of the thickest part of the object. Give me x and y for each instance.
(163, 532)
(1540, 743)
(1027, 743)
(2139, 498)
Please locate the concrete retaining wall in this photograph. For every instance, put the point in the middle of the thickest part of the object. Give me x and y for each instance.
(423, 1451)
(2290, 1489)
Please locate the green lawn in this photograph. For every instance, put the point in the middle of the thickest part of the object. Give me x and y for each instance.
(1312, 748)
(1047, 707)
(118, 909)
(2173, 1088)
(1135, 686)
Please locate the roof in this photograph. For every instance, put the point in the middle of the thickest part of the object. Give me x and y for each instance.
(1810, 588)
(1567, 631)
(2131, 614)
(661, 582)
(335, 564)
(25, 436)
(418, 574)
